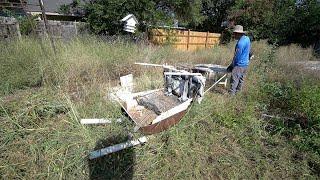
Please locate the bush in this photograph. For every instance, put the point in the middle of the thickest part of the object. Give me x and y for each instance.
(26, 24)
(307, 102)
(298, 111)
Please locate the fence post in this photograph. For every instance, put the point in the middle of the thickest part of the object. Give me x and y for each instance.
(206, 39)
(18, 30)
(76, 28)
(46, 26)
(188, 39)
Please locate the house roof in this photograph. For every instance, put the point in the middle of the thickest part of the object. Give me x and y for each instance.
(51, 6)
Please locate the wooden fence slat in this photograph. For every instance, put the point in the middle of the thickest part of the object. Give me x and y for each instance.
(188, 39)
(207, 39)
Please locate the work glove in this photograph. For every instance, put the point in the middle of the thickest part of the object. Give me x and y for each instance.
(230, 68)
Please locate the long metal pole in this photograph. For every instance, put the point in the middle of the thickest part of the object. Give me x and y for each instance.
(215, 83)
(46, 25)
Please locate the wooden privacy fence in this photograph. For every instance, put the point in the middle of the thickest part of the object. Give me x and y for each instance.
(184, 39)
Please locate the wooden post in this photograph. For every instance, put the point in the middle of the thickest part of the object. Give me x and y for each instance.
(46, 25)
(207, 40)
(76, 28)
(188, 39)
(33, 26)
(18, 30)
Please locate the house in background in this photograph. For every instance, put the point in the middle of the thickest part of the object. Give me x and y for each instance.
(61, 24)
(12, 6)
(52, 8)
(32, 7)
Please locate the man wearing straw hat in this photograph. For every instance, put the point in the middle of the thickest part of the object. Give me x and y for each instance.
(240, 62)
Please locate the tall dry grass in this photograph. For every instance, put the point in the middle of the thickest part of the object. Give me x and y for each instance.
(44, 96)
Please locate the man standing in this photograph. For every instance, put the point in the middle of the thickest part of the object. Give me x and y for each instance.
(239, 65)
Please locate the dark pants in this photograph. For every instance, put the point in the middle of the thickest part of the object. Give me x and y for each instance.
(237, 79)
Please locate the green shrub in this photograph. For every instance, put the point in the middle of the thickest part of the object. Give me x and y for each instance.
(306, 101)
(278, 95)
(298, 111)
(26, 24)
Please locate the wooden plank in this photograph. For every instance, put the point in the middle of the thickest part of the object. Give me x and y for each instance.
(188, 39)
(173, 111)
(99, 121)
(95, 121)
(207, 40)
(148, 64)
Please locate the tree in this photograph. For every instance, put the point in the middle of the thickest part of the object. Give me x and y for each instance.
(281, 22)
(307, 29)
(105, 15)
(76, 7)
(215, 12)
(188, 12)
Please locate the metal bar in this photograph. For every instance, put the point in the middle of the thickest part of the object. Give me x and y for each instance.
(117, 147)
(138, 94)
(182, 74)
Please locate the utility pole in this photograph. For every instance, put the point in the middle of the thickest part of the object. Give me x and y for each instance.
(46, 25)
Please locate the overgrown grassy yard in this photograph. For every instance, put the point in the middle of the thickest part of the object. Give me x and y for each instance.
(43, 97)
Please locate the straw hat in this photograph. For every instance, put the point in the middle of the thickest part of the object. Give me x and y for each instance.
(238, 29)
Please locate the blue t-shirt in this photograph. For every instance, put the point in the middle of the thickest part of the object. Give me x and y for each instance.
(242, 52)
